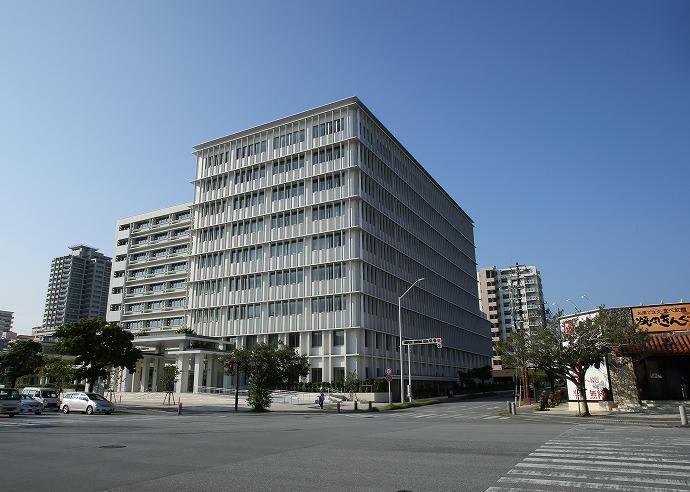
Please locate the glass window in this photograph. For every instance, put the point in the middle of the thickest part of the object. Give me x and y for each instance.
(316, 339)
(338, 338)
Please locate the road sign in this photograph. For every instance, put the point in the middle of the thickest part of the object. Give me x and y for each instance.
(389, 370)
(389, 377)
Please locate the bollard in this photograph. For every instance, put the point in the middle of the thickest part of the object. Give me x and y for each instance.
(179, 407)
(355, 405)
(338, 404)
(370, 406)
(683, 415)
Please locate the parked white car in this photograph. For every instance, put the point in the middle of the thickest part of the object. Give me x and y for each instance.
(89, 403)
(29, 405)
(10, 401)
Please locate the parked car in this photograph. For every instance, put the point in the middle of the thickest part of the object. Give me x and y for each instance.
(47, 396)
(10, 401)
(89, 403)
(29, 405)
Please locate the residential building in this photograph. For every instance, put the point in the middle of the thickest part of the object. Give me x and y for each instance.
(6, 318)
(512, 299)
(307, 229)
(148, 286)
(77, 287)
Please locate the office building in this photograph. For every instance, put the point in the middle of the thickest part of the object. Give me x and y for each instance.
(148, 287)
(307, 229)
(512, 300)
(6, 318)
(77, 288)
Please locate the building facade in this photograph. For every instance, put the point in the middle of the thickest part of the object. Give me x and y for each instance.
(77, 287)
(512, 299)
(148, 286)
(307, 229)
(6, 318)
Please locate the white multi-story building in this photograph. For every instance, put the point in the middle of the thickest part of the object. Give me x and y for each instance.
(512, 299)
(307, 229)
(148, 287)
(6, 318)
(77, 288)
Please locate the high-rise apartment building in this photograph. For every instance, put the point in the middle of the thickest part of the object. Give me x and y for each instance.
(512, 299)
(148, 287)
(307, 229)
(6, 318)
(77, 288)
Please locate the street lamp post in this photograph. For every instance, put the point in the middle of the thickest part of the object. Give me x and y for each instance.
(586, 297)
(402, 379)
(577, 309)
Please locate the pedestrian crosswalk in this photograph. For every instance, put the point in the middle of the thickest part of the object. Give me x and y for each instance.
(605, 458)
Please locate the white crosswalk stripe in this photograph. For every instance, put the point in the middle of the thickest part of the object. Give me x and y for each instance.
(603, 459)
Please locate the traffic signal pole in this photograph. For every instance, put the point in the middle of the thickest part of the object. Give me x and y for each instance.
(422, 341)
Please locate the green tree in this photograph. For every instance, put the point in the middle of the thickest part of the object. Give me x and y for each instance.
(169, 378)
(545, 347)
(267, 366)
(482, 373)
(57, 371)
(23, 358)
(591, 340)
(97, 346)
(351, 384)
(516, 353)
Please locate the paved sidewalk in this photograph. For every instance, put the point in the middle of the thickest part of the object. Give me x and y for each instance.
(202, 403)
(563, 413)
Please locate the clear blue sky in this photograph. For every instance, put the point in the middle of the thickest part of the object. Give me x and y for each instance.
(562, 128)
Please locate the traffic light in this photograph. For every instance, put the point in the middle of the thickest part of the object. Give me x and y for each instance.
(439, 342)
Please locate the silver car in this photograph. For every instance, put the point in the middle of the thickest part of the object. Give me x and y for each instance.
(10, 401)
(29, 405)
(89, 403)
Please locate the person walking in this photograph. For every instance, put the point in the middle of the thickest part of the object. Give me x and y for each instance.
(321, 399)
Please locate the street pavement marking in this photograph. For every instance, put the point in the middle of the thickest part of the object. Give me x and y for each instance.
(590, 458)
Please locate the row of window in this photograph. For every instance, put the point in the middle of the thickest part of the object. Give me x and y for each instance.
(327, 211)
(157, 221)
(157, 270)
(285, 219)
(326, 241)
(247, 227)
(159, 253)
(157, 287)
(248, 200)
(326, 155)
(172, 303)
(288, 191)
(288, 164)
(160, 236)
(287, 277)
(327, 182)
(289, 138)
(250, 150)
(328, 127)
(286, 308)
(250, 174)
(154, 323)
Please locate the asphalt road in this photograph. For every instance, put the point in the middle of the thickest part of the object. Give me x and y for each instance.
(463, 446)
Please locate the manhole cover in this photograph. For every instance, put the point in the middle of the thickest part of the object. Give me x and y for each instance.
(113, 446)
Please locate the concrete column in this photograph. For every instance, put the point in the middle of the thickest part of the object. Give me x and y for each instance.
(156, 365)
(127, 380)
(145, 374)
(136, 377)
(210, 371)
(198, 368)
(181, 384)
(226, 381)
